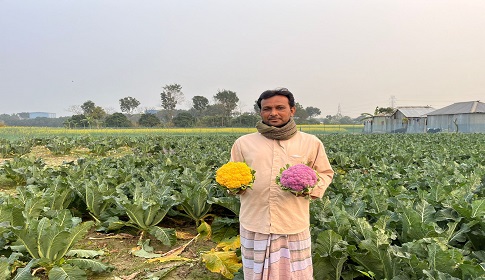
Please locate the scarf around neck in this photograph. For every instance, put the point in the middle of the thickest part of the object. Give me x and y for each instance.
(277, 133)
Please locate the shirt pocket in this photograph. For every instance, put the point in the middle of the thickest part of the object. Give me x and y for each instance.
(297, 159)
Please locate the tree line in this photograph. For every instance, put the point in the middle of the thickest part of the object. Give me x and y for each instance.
(220, 113)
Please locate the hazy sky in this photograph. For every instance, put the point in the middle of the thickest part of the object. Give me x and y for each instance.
(353, 54)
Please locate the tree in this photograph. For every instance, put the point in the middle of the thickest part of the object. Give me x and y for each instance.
(256, 107)
(213, 116)
(171, 95)
(346, 120)
(215, 110)
(78, 121)
(245, 120)
(184, 119)
(200, 103)
(88, 107)
(97, 115)
(128, 104)
(117, 120)
(382, 110)
(300, 115)
(148, 120)
(228, 99)
(93, 113)
(312, 111)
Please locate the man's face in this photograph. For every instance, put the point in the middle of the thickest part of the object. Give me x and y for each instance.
(276, 110)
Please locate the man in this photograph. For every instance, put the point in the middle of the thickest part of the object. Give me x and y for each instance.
(275, 234)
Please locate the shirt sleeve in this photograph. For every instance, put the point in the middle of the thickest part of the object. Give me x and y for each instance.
(325, 172)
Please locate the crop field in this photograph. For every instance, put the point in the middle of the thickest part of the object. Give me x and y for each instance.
(14, 133)
(146, 206)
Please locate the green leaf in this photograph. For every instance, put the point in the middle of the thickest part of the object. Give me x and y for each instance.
(4, 268)
(472, 271)
(442, 259)
(417, 221)
(29, 240)
(196, 191)
(76, 234)
(136, 215)
(166, 235)
(84, 253)
(145, 250)
(89, 264)
(56, 245)
(156, 214)
(67, 272)
(328, 242)
(224, 228)
(230, 202)
(478, 208)
(376, 254)
(24, 273)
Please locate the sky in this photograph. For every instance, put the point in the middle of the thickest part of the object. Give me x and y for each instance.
(340, 56)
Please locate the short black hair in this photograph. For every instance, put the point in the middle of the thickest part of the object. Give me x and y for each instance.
(279, 91)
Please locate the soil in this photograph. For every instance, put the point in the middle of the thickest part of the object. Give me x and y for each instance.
(118, 248)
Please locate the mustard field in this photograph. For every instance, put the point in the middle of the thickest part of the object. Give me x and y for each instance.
(12, 133)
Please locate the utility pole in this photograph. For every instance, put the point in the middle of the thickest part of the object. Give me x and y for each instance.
(339, 112)
(393, 101)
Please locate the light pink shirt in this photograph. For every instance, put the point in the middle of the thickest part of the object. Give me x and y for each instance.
(266, 208)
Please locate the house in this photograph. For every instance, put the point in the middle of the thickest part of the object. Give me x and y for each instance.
(33, 115)
(465, 117)
(378, 124)
(406, 119)
(151, 111)
(410, 119)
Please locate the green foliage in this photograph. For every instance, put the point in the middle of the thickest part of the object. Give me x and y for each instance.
(117, 120)
(171, 95)
(77, 121)
(128, 104)
(196, 189)
(312, 111)
(22, 170)
(97, 196)
(400, 206)
(200, 103)
(149, 120)
(228, 99)
(301, 114)
(147, 204)
(88, 107)
(6, 149)
(49, 239)
(184, 119)
(60, 145)
(384, 110)
(245, 120)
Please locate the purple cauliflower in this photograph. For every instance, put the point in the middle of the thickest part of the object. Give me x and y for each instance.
(298, 178)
